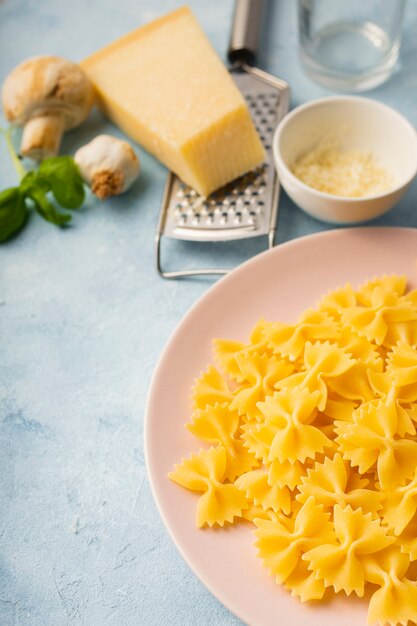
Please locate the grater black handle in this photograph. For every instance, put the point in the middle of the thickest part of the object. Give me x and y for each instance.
(245, 34)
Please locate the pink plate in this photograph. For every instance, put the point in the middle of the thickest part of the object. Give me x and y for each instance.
(276, 285)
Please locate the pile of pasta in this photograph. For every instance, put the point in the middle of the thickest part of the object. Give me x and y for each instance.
(310, 434)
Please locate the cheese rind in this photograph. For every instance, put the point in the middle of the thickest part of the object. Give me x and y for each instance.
(164, 85)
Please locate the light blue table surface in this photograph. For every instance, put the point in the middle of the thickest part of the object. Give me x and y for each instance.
(83, 320)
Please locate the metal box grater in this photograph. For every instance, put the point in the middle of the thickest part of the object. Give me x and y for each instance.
(248, 206)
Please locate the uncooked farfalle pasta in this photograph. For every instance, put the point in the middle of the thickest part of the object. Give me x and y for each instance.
(309, 434)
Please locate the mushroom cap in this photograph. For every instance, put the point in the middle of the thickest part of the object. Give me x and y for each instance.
(47, 85)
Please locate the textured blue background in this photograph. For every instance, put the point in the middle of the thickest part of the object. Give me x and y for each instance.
(83, 320)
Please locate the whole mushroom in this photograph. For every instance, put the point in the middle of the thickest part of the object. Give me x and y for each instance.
(47, 95)
(109, 165)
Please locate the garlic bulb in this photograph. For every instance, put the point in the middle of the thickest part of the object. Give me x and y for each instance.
(109, 165)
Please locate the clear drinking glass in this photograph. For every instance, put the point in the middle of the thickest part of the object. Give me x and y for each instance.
(349, 45)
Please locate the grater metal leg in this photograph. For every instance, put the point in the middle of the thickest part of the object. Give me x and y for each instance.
(182, 273)
(271, 238)
(196, 272)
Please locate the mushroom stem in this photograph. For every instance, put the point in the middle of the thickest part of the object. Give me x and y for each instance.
(42, 136)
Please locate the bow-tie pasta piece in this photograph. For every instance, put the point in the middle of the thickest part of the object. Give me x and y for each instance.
(303, 584)
(356, 481)
(395, 602)
(227, 351)
(405, 331)
(328, 484)
(288, 420)
(257, 489)
(257, 442)
(288, 340)
(281, 543)
(370, 292)
(382, 384)
(340, 563)
(407, 540)
(400, 505)
(360, 349)
(339, 408)
(258, 438)
(354, 384)
(257, 512)
(259, 375)
(411, 297)
(322, 362)
(218, 424)
(376, 440)
(402, 365)
(204, 473)
(325, 424)
(209, 389)
(336, 301)
(286, 474)
(412, 412)
(385, 320)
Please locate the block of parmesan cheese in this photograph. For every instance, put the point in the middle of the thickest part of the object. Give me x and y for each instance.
(164, 85)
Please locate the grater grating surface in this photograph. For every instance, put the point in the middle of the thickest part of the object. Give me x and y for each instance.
(247, 206)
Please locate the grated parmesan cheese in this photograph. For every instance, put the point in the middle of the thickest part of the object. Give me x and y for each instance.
(351, 174)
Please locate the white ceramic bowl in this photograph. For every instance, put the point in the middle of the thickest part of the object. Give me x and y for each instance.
(360, 124)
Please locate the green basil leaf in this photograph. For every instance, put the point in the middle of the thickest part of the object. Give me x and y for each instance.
(65, 181)
(46, 209)
(33, 181)
(13, 212)
(8, 196)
